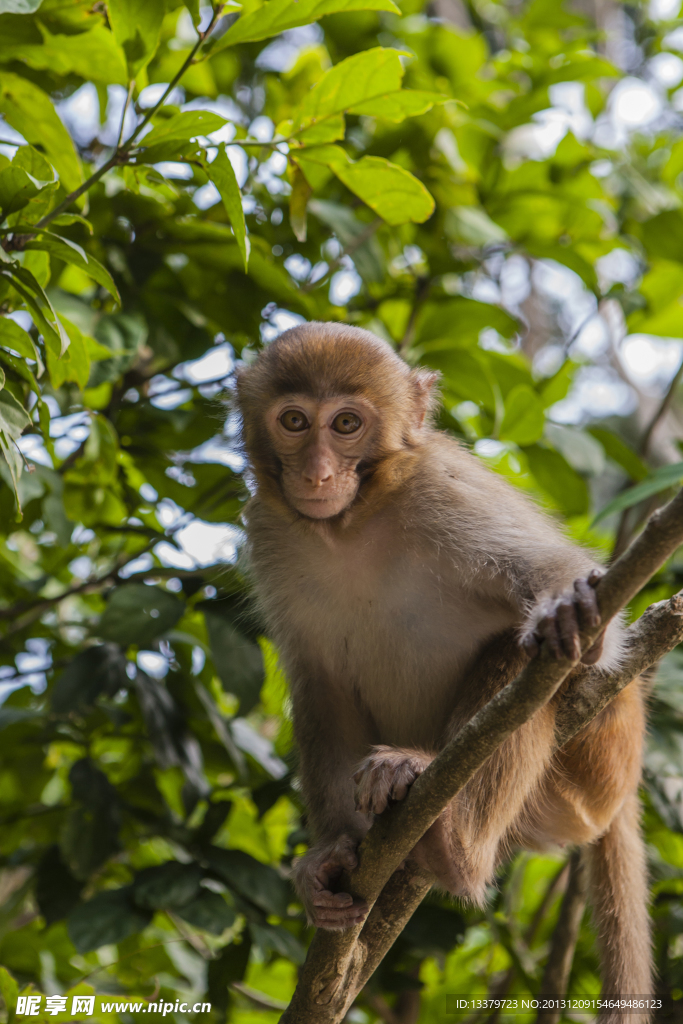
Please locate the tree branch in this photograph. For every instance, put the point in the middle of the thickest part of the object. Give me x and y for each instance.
(338, 962)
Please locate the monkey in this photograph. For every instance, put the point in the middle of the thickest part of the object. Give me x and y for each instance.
(404, 583)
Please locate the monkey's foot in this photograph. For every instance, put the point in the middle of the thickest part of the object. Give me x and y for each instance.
(315, 875)
(387, 774)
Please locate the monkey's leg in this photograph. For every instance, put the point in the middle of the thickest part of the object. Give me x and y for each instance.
(461, 849)
(331, 735)
(619, 894)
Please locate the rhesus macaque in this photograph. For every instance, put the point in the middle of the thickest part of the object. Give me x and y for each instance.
(404, 584)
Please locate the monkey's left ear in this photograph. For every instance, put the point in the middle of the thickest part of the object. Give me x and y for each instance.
(425, 384)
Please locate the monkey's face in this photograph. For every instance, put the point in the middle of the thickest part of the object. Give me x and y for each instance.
(320, 446)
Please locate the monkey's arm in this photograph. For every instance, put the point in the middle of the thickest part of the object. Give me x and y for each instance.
(332, 736)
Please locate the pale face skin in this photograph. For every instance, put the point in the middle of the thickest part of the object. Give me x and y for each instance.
(320, 445)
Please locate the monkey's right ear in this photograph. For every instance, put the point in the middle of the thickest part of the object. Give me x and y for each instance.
(425, 383)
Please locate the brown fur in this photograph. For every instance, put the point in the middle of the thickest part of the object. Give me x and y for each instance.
(400, 614)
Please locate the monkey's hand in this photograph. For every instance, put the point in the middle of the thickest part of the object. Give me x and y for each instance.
(559, 621)
(314, 877)
(387, 774)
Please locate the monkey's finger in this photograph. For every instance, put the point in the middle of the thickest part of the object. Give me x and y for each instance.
(588, 604)
(594, 653)
(530, 645)
(338, 920)
(325, 898)
(547, 630)
(399, 790)
(568, 626)
(594, 577)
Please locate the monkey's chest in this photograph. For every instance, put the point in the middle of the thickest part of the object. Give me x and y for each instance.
(395, 638)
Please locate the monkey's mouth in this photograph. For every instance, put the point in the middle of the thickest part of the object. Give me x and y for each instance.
(321, 507)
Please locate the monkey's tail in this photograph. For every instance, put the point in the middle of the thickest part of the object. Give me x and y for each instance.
(620, 896)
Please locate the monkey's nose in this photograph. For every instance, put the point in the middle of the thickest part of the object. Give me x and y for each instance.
(317, 479)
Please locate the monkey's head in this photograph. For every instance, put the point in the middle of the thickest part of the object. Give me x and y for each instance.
(324, 407)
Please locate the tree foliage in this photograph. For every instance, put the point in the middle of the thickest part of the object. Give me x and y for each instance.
(170, 199)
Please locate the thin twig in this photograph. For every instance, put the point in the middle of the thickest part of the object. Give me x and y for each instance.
(662, 410)
(624, 531)
(422, 286)
(120, 154)
(348, 251)
(124, 112)
(263, 1002)
(559, 963)
(501, 988)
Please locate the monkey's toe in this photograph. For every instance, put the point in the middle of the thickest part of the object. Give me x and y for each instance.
(337, 911)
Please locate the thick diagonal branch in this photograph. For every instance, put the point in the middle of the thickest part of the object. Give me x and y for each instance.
(335, 967)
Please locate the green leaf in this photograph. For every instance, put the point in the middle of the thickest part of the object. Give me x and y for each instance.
(108, 918)
(620, 452)
(250, 878)
(661, 480)
(557, 387)
(461, 320)
(238, 660)
(136, 25)
(28, 109)
(298, 200)
(89, 835)
(229, 966)
(14, 419)
(396, 106)
(208, 911)
(554, 474)
(279, 15)
(465, 375)
(368, 256)
(369, 74)
(57, 891)
(167, 886)
(43, 311)
(524, 419)
(68, 251)
(74, 364)
(392, 192)
(221, 173)
(94, 55)
(17, 189)
(9, 990)
(275, 938)
(186, 125)
(195, 13)
(138, 614)
(97, 670)
(15, 337)
(473, 226)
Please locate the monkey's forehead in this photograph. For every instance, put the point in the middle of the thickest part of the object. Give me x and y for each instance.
(326, 360)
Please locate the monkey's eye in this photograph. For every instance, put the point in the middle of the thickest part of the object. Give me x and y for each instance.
(346, 423)
(293, 420)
